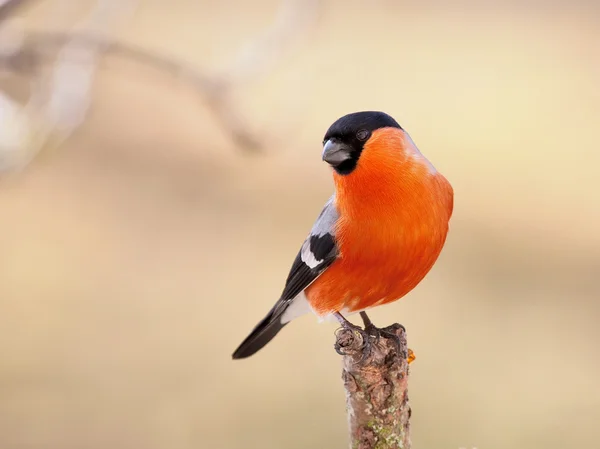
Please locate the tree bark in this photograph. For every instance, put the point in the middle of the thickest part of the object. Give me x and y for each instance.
(376, 381)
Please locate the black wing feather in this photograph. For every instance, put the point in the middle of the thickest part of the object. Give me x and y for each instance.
(301, 275)
(317, 253)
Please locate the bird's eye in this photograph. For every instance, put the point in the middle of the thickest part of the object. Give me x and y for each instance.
(362, 134)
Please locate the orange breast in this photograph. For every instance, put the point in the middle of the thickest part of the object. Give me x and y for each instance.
(394, 212)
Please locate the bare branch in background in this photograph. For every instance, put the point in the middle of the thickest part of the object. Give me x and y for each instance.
(294, 19)
(70, 80)
(376, 383)
(61, 98)
(7, 7)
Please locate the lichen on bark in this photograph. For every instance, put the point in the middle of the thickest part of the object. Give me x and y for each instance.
(375, 377)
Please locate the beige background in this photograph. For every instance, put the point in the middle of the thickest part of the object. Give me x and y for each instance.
(134, 259)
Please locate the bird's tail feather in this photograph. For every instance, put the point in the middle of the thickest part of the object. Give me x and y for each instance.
(263, 333)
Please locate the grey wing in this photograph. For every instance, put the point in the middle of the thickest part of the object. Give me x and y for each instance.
(318, 252)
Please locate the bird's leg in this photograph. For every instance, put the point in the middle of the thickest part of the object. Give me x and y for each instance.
(367, 321)
(370, 330)
(354, 328)
(390, 332)
(370, 327)
(386, 332)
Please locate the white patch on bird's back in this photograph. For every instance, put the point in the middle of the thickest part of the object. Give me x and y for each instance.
(324, 225)
(300, 306)
(307, 255)
(417, 155)
(297, 308)
(331, 318)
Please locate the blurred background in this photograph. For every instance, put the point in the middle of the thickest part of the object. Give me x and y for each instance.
(158, 181)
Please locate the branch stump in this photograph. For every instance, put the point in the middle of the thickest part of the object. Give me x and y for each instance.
(376, 381)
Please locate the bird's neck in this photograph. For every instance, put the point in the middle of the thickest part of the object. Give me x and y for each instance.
(397, 187)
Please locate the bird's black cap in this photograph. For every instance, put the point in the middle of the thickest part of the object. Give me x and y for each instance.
(344, 140)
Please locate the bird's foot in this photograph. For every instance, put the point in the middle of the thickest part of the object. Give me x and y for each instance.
(389, 332)
(371, 335)
(357, 331)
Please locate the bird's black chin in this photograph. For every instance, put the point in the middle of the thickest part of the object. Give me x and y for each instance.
(346, 167)
(339, 155)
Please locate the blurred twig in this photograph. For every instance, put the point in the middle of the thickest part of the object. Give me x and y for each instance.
(7, 7)
(69, 89)
(215, 89)
(58, 102)
(294, 19)
(65, 99)
(376, 383)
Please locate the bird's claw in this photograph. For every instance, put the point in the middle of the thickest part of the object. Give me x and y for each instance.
(371, 335)
(390, 332)
(365, 336)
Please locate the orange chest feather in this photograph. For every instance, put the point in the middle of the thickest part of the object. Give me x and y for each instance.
(396, 243)
(394, 208)
(392, 227)
(383, 255)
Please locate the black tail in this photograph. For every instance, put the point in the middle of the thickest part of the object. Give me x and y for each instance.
(262, 334)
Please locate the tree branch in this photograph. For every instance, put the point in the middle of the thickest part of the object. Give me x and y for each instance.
(376, 383)
(59, 97)
(62, 97)
(7, 7)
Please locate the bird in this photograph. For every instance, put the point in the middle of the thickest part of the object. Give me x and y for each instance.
(377, 236)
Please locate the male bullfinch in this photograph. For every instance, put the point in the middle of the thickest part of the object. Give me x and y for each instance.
(377, 236)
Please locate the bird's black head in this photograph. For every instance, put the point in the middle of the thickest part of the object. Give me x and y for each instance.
(345, 139)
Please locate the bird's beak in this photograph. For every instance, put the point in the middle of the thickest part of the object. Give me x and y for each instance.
(335, 152)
